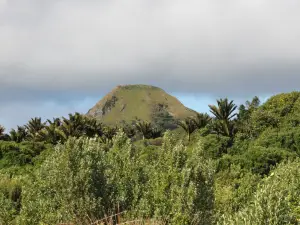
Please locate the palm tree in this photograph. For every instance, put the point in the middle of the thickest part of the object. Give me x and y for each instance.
(221, 128)
(156, 132)
(188, 125)
(224, 109)
(92, 127)
(110, 132)
(128, 130)
(201, 120)
(3, 136)
(18, 135)
(72, 126)
(50, 133)
(2, 129)
(254, 103)
(34, 126)
(246, 110)
(145, 128)
(224, 112)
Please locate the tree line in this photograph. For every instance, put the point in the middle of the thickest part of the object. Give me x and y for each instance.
(77, 125)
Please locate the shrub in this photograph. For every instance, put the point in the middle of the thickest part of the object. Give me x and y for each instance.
(82, 181)
(275, 202)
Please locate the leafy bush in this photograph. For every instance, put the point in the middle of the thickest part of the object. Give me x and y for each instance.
(275, 202)
(19, 154)
(67, 187)
(257, 159)
(10, 198)
(82, 181)
(234, 187)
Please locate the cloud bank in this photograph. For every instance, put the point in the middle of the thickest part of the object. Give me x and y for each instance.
(184, 46)
(61, 50)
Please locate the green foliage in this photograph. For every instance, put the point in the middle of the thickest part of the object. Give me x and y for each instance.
(144, 128)
(18, 135)
(223, 112)
(286, 138)
(234, 187)
(224, 109)
(276, 200)
(19, 154)
(233, 170)
(80, 181)
(201, 120)
(2, 129)
(180, 188)
(34, 126)
(10, 198)
(215, 146)
(67, 187)
(50, 133)
(246, 110)
(188, 126)
(257, 159)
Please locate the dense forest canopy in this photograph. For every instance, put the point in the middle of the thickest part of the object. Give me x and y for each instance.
(238, 166)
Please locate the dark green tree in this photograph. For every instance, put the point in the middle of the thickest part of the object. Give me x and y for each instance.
(72, 126)
(109, 133)
(145, 128)
(92, 127)
(2, 129)
(18, 135)
(50, 133)
(156, 132)
(246, 110)
(224, 109)
(224, 112)
(129, 130)
(201, 120)
(34, 127)
(188, 125)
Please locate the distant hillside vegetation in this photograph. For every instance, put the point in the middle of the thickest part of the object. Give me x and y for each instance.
(127, 103)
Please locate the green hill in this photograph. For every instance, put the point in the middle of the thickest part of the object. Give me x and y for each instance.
(148, 103)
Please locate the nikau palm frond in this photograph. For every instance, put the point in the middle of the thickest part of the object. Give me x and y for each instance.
(145, 128)
(188, 125)
(2, 129)
(201, 120)
(224, 109)
(18, 135)
(224, 112)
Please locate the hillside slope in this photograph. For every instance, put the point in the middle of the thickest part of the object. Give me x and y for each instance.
(130, 102)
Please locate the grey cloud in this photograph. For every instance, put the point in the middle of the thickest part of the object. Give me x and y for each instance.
(184, 46)
(235, 47)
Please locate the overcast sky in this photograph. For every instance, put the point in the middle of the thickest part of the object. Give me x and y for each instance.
(61, 56)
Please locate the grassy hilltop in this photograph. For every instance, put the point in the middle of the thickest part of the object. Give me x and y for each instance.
(130, 102)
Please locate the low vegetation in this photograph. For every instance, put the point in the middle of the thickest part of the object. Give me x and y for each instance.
(240, 166)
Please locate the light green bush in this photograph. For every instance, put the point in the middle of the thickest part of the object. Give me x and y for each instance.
(66, 188)
(277, 200)
(81, 181)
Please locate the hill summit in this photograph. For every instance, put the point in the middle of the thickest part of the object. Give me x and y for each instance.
(126, 103)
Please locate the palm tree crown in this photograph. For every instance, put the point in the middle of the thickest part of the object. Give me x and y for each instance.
(2, 129)
(144, 127)
(201, 120)
(34, 126)
(224, 110)
(188, 125)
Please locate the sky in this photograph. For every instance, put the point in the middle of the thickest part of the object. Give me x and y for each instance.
(62, 56)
